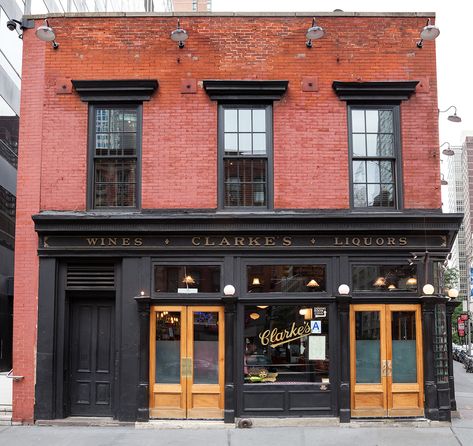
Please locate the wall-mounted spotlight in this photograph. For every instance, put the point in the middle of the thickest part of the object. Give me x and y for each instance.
(24, 24)
(179, 35)
(47, 34)
(313, 33)
(454, 117)
(448, 151)
(443, 181)
(429, 32)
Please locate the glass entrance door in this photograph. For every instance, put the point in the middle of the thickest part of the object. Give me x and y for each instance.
(186, 362)
(386, 361)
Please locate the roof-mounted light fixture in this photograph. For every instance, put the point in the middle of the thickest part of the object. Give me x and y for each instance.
(454, 117)
(12, 24)
(47, 34)
(448, 151)
(179, 35)
(313, 33)
(429, 32)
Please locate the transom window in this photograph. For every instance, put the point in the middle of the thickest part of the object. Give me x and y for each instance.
(373, 142)
(384, 278)
(115, 141)
(245, 140)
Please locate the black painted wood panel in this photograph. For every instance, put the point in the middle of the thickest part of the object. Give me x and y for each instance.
(91, 356)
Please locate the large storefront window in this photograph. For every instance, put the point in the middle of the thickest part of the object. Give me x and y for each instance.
(187, 279)
(286, 278)
(384, 278)
(286, 344)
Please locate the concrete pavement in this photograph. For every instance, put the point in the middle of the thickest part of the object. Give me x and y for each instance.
(460, 433)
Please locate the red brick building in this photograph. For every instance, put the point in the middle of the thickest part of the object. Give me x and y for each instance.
(152, 176)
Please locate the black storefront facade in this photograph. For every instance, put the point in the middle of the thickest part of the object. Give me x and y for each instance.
(271, 312)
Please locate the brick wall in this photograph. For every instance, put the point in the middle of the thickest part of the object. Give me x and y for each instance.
(180, 130)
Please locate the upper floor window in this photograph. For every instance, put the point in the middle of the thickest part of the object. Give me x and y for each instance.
(374, 138)
(245, 140)
(115, 143)
(115, 123)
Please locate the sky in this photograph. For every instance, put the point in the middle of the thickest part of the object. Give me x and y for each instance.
(454, 45)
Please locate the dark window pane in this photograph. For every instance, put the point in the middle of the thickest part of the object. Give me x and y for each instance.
(291, 359)
(116, 144)
(230, 120)
(286, 278)
(245, 182)
(115, 183)
(359, 144)
(129, 143)
(188, 279)
(358, 121)
(383, 278)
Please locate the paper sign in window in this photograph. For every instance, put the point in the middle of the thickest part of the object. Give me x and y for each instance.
(316, 348)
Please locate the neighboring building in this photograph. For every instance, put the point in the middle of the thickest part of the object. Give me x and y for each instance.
(223, 230)
(10, 80)
(192, 5)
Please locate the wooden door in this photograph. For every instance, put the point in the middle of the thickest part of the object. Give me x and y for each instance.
(386, 361)
(91, 357)
(187, 362)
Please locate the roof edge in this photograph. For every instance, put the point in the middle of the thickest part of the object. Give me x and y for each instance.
(232, 14)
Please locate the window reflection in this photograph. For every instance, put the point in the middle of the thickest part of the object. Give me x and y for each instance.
(286, 344)
(384, 278)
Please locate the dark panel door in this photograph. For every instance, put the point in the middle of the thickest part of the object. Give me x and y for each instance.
(91, 357)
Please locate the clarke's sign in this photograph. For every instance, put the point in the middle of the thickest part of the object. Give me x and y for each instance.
(238, 241)
(276, 337)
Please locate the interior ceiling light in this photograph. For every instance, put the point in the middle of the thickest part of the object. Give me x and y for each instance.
(429, 32)
(412, 281)
(312, 284)
(391, 287)
(179, 35)
(380, 281)
(256, 281)
(188, 280)
(47, 34)
(454, 117)
(315, 32)
(262, 306)
(254, 316)
(448, 151)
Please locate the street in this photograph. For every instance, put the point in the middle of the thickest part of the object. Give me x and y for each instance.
(460, 433)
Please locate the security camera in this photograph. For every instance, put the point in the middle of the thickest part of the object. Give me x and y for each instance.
(11, 25)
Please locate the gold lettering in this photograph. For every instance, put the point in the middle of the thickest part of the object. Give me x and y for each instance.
(102, 241)
(253, 241)
(368, 241)
(112, 241)
(224, 242)
(125, 241)
(239, 241)
(391, 241)
(196, 241)
(264, 337)
(287, 241)
(356, 241)
(338, 242)
(138, 241)
(92, 241)
(269, 241)
(208, 243)
(402, 241)
(380, 241)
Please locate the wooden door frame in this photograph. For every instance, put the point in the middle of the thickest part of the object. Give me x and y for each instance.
(386, 354)
(377, 388)
(186, 344)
